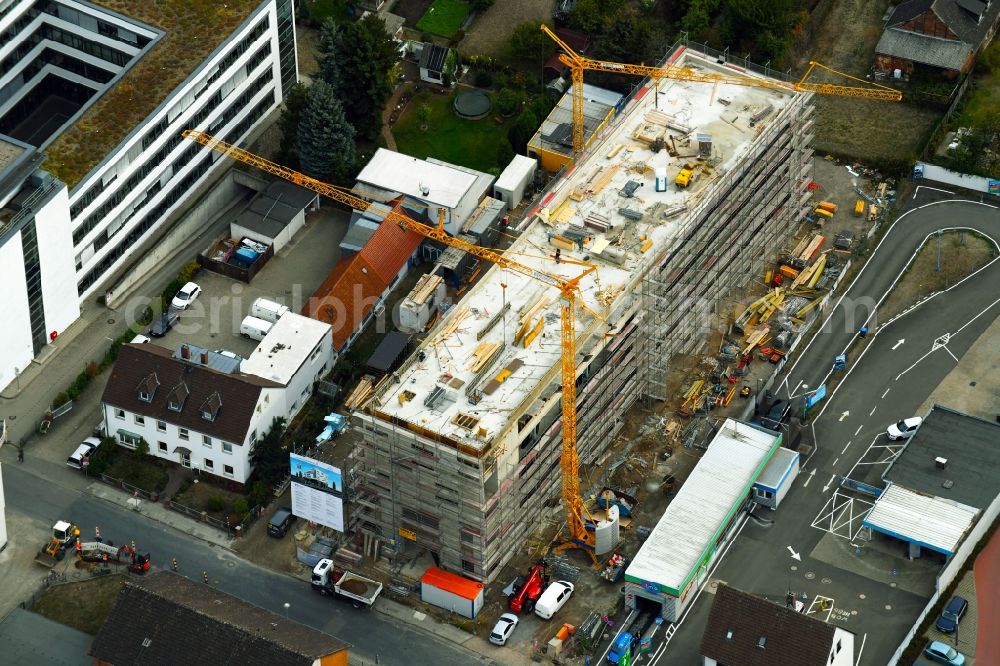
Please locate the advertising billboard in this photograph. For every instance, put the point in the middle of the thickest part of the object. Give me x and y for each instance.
(317, 492)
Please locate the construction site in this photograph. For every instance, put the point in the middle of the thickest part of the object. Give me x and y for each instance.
(680, 203)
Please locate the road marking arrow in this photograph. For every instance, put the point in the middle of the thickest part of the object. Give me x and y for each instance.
(795, 556)
(829, 483)
(844, 416)
(901, 341)
(811, 475)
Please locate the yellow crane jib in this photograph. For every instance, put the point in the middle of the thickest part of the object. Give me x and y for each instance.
(578, 63)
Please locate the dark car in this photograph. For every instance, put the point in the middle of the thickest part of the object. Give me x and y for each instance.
(776, 415)
(280, 522)
(952, 615)
(162, 324)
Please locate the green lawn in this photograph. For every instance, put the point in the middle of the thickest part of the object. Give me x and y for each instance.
(444, 17)
(981, 100)
(471, 143)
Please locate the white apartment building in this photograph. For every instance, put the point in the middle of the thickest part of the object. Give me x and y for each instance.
(198, 410)
(103, 96)
(294, 354)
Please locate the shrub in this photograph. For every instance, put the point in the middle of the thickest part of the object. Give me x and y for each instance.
(260, 493)
(215, 503)
(241, 508)
(189, 271)
(92, 370)
(484, 79)
(60, 399)
(508, 101)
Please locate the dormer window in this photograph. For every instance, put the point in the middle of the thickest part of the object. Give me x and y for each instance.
(147, 387)
(177, 396)
(210, 408)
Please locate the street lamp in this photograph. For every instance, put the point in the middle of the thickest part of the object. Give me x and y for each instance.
(287, 606)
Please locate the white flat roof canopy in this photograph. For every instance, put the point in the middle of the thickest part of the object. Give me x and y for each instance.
(693, 522)
(285, 348)
(935, 523)
(389, 170)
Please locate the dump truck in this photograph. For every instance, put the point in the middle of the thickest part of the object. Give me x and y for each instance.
(685, 175)
(330, 580)
(64, 535)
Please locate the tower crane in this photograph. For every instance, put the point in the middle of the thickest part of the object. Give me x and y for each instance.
(578, 63)
(578, 536)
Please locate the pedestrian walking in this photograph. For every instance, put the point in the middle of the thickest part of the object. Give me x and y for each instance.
(204, 577)
(173, 563)
(97, 533)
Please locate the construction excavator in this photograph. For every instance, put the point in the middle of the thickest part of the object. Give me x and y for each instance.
(580, 524)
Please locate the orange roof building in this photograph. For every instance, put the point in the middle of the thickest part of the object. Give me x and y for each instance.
(359, 283)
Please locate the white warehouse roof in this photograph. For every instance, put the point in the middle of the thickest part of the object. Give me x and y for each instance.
(936, 523)
(445, 185)
(710, 496)
(285, 348)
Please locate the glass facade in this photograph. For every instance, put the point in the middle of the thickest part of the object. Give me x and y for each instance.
(33, 278)
(286, 43)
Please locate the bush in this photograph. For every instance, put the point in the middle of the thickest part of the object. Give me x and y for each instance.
(484, 79)
(241, 508)
(92, 370)
(60, 399)
(215, 503)
(508, 101)
(260, 493)
(189, 271)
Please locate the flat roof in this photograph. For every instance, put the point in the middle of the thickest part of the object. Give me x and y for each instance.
(518, 168)
(445, 185)
(933, 522)
(227, 363)
(450, 360)
(285, 348)
(970, 445)
(777, 468)
(709, 497)
(192, 31)
(556, 131)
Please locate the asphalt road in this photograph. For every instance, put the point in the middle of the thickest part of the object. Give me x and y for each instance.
(902, 362)
(370, 633)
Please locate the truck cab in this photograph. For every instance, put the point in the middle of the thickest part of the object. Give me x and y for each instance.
(623, 649)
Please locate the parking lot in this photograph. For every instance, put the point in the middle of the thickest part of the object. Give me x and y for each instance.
(290, 278)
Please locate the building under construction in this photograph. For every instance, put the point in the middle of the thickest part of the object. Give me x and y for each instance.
(461, 446)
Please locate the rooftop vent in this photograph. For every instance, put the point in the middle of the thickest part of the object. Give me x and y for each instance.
(940, 463)
(424, 190)
(948, 484)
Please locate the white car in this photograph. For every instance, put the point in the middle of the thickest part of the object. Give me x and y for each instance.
(82, 452)
(503, 629)
(553, 598)
(185, 296)
(904, 429)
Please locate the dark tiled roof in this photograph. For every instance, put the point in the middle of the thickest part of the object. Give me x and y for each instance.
(943, 53)
(238, 392)
(790, 638)
(166, 619)
(907, 11)
(956, 14)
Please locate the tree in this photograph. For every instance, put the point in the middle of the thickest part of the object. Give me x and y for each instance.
(361, 59)
(328, 49)
(529, 43)
(142, 448)
(325, 138)
(295, 100)
(521, 131)
(424, 116)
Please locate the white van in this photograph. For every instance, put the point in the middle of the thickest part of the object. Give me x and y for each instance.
(267, 310)
(254, 328)
(553, 598)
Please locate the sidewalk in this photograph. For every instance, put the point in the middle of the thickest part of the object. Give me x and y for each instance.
(156, 511)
